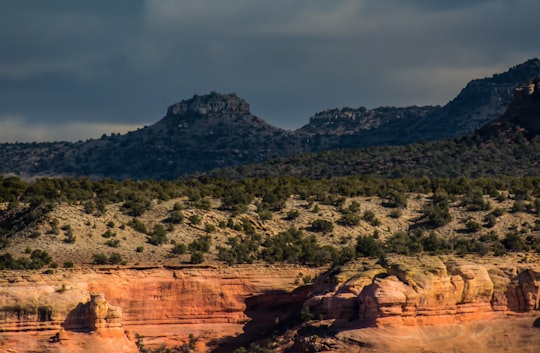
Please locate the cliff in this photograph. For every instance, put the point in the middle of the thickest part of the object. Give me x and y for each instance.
(219, 310)
(522, 115)
(407, 291)
(112, 310)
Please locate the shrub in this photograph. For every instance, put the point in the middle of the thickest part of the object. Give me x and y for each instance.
(368, 247)
(350, 219)
(209, 228)
(138, 226)
(246, 226)
(136, 205)
(197, 258)
(39, 259)
(113, 243)
(403, 243)
(513, 242)
(518, 206)
(292, 215)
(354, 207)
(158, 235)
(116, 259)
(34, 235)
(69, 264)
(265, 215)
(100, 259)
(322, 225)
(369, 216)
(200, 245)
(490, 220)
(110, 224)
(497, 212)
(203, 204)
(434, 244)
(292, 247)
(195, 219)
(108, 234)
(396, 199)
(139, 249)
(176, 217)
(472, 226)
(474, 201)
(89, 207)
(179, 249)
(438, 214)
(241, 250)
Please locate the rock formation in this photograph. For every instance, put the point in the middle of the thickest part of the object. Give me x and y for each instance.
(208, 104)
(221, 309)
(522, 115)
(427, 291)
(85, 311)
(349, 121)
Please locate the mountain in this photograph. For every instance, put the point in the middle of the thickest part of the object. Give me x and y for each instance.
(201, 133)
(506, 146)
(218, 130)
(480, 102)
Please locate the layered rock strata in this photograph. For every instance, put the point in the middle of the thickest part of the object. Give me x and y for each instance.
(427, 291)
(157, 306)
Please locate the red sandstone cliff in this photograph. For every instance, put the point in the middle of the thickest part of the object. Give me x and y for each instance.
(427, 290)
(63, 312)
(108, 310)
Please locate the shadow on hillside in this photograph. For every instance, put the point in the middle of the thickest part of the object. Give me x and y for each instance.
(268, 313)
(76, 320)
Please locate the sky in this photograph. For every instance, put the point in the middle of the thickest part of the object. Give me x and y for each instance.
(76, 69)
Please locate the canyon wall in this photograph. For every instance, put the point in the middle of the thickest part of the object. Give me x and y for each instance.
(110, 309)
(405, 291)
(219, 309)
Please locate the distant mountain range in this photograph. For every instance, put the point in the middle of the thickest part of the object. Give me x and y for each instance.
(218, 130)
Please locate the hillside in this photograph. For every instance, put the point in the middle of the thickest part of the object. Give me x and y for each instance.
(283, 264)
(215, 220)
(218, 130)
(200, 133)
(506, 146)
(481, 101)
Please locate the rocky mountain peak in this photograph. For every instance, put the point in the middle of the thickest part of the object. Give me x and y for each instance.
(208, 104)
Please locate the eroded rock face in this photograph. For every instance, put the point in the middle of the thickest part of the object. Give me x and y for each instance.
(164, 306)
(430, 290)
(211, 103)
(96, 314)
(87, 310)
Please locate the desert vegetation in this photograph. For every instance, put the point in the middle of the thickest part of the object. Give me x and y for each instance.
(274, 220)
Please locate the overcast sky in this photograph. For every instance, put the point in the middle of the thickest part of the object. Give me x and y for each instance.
(75, 69)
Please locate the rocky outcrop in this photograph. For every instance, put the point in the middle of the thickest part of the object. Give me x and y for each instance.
(427, 291)
(155, 306)
(40, 318)
(222, 309)
(348, 121)
(96, 314)
(522, 117)
(208, 104)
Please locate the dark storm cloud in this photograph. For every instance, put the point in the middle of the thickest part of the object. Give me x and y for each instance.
(96, 64)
